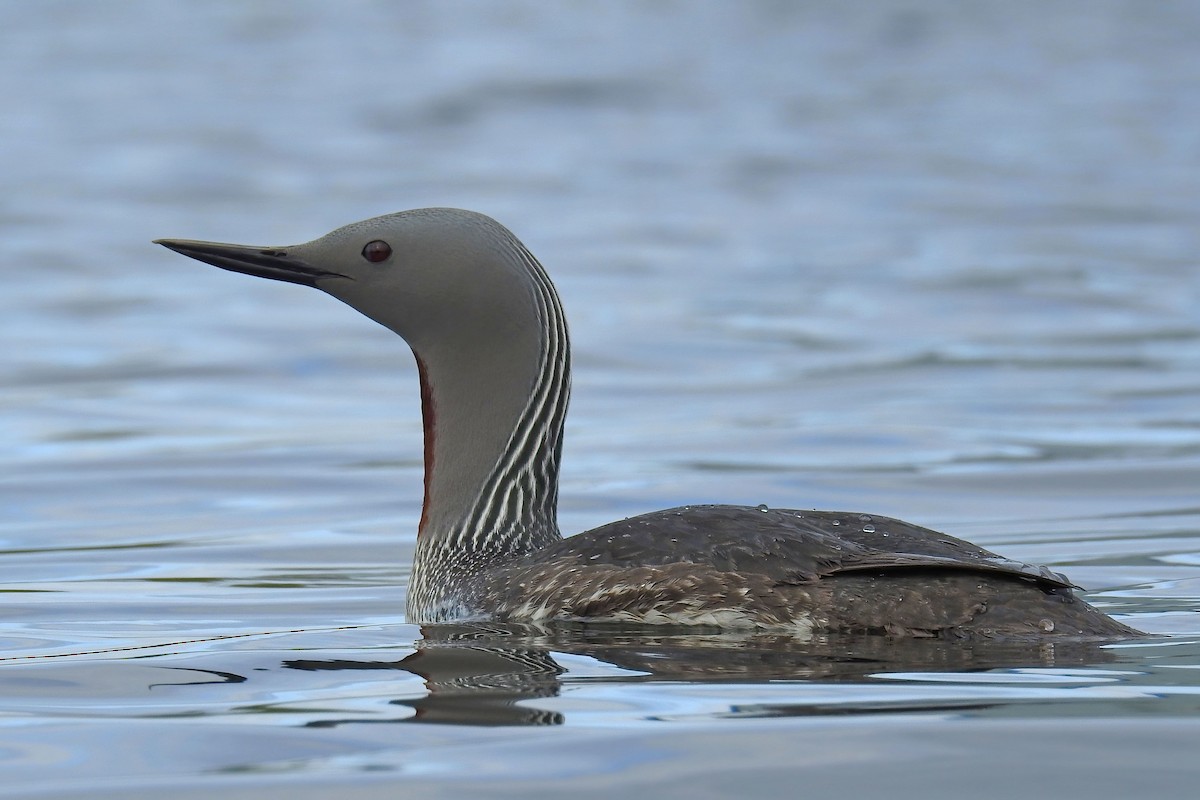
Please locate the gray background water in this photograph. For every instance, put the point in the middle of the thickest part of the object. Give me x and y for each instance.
(935, 260)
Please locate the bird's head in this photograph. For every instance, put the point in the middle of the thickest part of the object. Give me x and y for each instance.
(434, 276)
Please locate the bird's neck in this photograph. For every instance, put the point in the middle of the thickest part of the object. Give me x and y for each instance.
(493, 423)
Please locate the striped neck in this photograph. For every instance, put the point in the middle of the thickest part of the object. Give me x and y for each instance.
(493, 411)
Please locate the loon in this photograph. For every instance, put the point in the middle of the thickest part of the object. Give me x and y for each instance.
(493, 358)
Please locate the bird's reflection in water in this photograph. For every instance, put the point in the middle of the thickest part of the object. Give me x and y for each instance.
(479, 674)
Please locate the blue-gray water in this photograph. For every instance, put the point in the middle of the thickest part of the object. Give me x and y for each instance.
(934, 260)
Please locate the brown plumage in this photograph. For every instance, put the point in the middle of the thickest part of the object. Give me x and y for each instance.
(811, 571)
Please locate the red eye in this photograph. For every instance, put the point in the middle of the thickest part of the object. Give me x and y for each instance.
(377, 251)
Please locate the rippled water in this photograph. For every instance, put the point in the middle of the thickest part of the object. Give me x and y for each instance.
(936, 261)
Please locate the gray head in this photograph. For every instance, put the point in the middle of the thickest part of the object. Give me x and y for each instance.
(491, 344)
(435, 276)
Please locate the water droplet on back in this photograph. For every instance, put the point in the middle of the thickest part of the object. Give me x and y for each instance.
(868, 528)
(763, 507)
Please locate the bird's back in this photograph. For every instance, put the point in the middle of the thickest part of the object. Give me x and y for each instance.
(816, 571)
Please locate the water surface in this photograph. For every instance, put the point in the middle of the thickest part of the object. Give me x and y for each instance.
(935, 262)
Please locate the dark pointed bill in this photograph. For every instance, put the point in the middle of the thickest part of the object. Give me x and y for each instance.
(263, 262)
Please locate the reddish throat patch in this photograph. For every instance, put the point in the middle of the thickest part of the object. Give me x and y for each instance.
(428, 423)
